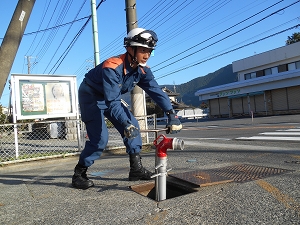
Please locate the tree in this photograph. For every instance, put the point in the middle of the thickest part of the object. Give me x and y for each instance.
(293, 39)
(2, 115)
(152, 108)
(203, 105)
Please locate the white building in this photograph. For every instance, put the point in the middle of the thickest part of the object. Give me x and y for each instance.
(268, 84)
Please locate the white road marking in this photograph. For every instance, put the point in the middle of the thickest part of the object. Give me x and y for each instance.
(270, 138)
(281, 133)
(278, 135)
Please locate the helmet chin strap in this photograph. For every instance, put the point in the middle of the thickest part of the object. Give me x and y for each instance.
(134, 59)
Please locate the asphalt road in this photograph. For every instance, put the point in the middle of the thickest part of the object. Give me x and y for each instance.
(224, 132)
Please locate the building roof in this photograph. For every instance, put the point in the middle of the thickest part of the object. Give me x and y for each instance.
(169, 92)
(280, 80)
(267, 59)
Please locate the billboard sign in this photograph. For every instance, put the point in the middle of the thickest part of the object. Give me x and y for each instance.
(44, 96)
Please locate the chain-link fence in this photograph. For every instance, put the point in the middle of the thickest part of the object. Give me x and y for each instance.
(44, 139)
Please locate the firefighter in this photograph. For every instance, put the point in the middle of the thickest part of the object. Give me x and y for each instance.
(100, 96)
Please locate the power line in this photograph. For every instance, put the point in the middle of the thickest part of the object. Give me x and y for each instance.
(55, 27)
(43, 17)
(38, 44)
(168, 5)
(54, 32)
(220, 39)
(238, 44)
(116, 47)
(210, 26)
(187, 67)
(67, 50)
(64, 36)
(174, 13)
(217, 34)
(206, 11)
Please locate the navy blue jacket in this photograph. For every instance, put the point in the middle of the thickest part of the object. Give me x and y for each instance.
(114, 77)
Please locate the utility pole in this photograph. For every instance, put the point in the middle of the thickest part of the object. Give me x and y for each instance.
(95, 32)
(28, 63)
(138, 102)
(12, 39)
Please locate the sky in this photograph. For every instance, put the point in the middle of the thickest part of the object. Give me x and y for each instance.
(194, 37)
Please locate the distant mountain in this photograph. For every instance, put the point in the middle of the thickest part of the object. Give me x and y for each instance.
(187, 90)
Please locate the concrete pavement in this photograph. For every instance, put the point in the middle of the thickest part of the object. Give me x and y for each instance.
(40, 192)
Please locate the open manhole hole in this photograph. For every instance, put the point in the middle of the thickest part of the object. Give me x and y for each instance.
(237, 173)
(174, 188)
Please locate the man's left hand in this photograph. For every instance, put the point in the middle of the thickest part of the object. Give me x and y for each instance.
(131, 131)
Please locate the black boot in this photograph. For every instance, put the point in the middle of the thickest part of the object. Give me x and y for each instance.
(79, 179)
(137, 171)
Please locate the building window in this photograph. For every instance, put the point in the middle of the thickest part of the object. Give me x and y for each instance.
(260, 73)
(297, 64)
(268, 71)
(274, 70)
(282, 68)
(249, 76)
(291, 66)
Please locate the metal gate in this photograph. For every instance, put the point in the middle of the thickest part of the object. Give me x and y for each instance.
(279, 99)
(224, 106)
(259, 103)
(293, 97)
(237, 106)
(214, 107)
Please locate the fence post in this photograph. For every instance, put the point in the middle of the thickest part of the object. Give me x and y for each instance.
(16, 140)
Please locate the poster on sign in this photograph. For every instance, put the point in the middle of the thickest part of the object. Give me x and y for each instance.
(58, 98)
(41, 96)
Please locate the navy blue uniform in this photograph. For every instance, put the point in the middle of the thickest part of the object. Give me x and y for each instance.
(100, 96)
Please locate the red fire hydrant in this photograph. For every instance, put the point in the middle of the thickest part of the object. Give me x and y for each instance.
(162, 144)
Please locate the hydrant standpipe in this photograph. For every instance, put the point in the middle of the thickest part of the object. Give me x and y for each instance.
(162, 144)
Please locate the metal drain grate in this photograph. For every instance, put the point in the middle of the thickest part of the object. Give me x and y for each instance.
(237, 173)
(201, 178)
(243, 173)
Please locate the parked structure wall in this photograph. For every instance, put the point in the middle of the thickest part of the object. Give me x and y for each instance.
(273, 102)
(269, 84)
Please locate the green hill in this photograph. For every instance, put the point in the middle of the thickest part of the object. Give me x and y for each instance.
(187, 90)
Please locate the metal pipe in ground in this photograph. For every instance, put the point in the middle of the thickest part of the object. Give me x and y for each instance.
(161, 178)
(162, 144)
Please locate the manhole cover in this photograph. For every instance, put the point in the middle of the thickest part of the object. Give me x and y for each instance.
(202, 178)
(237, 173)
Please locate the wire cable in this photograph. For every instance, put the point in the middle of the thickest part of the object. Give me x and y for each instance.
(224, 37)
(67, 50)
(213, 57)
(43, 17)
(64, 37)
(54, 32)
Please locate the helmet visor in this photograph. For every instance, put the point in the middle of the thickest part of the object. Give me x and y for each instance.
(147, 37)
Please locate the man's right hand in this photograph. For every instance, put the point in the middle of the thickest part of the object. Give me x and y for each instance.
(131, 131)
(174, 125)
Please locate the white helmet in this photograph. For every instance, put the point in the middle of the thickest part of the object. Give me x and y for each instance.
(141, 37)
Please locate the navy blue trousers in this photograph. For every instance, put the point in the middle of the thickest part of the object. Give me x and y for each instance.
(93, 116)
